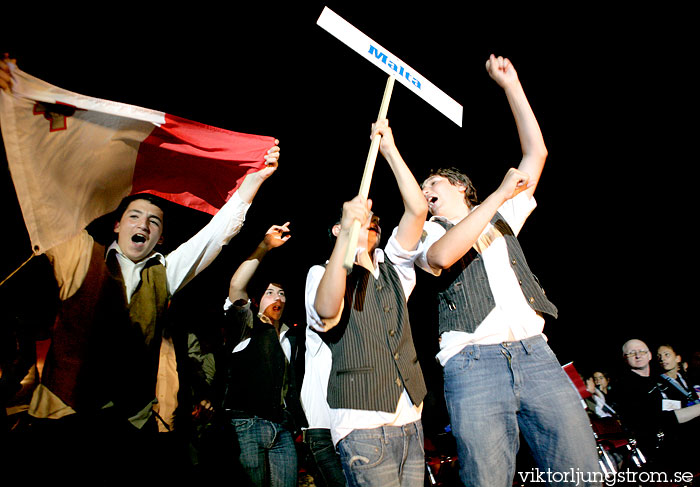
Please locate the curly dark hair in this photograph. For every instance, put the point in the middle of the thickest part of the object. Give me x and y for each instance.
(457, 177)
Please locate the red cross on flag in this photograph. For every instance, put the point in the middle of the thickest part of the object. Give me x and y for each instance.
(73, 158)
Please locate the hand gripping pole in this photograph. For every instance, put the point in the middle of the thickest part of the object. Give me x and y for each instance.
(367, 175)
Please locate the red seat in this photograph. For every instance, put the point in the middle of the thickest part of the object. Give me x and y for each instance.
(609, 430)
(577, 380)
(609, 435)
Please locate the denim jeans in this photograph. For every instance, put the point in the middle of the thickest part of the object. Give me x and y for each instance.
(388, 456)
(495, 392)
(325, 457)
(268, 455)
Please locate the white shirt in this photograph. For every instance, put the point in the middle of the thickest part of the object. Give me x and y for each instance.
(512, 317)
(70, 260)
(319, 359)
(317, 369)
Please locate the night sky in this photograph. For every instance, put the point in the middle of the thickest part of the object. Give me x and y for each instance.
(611, 239)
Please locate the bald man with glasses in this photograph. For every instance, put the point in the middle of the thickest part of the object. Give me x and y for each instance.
(663, 434)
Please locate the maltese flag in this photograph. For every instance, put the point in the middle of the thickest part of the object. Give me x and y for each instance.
(73, 158)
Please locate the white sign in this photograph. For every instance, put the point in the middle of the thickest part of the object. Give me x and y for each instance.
(390, 64)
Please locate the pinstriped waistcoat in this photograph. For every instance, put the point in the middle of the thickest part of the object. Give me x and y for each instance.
(373, 353)
(464, 293)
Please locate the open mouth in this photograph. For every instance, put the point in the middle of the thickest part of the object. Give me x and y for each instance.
(276, 309)
(138, 239)
(432, 200)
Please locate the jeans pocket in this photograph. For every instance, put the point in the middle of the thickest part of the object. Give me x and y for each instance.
(362, 453)
(242, 424)
(460, 363)
(320, 447)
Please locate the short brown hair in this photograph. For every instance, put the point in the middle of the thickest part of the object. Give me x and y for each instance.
(458, 178)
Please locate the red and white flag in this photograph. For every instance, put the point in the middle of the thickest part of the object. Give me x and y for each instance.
(73, 158)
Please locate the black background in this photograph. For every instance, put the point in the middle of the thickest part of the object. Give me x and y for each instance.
(612, 239)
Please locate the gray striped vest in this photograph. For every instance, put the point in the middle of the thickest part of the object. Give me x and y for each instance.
(464, 293)
(373, 353)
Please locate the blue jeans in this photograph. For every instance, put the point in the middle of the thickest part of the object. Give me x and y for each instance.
(388, 456)
(267, 452)
(325, 457)
(495, 392)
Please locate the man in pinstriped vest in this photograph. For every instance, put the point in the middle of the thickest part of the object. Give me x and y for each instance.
(376, 387)
(500, 376)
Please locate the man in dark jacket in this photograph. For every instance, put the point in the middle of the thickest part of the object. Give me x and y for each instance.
(260, 396)
(664, 434)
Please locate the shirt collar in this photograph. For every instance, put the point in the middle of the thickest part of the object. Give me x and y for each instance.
(283, 328)
(118, 250)
(377, 258)
(436, 218)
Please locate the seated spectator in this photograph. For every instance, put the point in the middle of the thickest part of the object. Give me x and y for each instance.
(674, 384)
(665, 437)
(596, 404)
(602, 382)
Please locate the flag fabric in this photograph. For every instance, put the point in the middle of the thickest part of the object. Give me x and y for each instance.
(73, 158)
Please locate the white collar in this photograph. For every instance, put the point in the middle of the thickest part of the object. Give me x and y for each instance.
(377, 258)
(154, 254)
(455, 221)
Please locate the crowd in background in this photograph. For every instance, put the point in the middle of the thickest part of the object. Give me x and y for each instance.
(649, 401)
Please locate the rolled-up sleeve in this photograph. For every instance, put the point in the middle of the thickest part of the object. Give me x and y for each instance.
(313, 279)
(239, 321)
(516, 210)
(403, 261)
(432, 232)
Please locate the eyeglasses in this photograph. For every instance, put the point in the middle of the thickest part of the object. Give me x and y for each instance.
(634, 353)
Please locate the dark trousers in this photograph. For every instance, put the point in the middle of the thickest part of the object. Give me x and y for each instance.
(325, 457)
(97, 450)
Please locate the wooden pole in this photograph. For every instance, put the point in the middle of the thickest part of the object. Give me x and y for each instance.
(367, 175)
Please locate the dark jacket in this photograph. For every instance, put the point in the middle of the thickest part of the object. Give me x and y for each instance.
(258, 381)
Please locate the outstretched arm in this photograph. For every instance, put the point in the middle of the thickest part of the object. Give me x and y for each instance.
(193, 256)
(276, 236)
(415, 206)
(252, 182)
(462, 237)
(531, 141)
(331, 289)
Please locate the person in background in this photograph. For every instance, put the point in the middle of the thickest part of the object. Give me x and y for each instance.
(318, 360)
(676, 380)
(665, 435)
(260, 394)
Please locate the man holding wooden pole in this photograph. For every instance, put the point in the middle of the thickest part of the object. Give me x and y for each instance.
(357, 302)
(376, 386)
